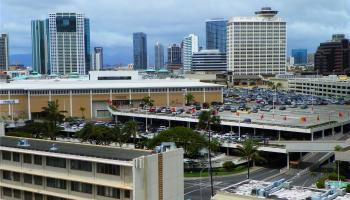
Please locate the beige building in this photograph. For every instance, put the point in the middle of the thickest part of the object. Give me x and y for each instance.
(94, 95)
(35, 169)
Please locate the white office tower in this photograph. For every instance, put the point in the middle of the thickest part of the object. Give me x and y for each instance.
(98, 58)
(67, 43)
(257, 45)
(190, 46)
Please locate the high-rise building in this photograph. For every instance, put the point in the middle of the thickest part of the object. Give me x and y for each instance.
(69, 41)
(4, 52)
(158, 56)
(209, 61)
(216, 33)
(300, 56)
(174, 57)
(97, 58)
(257, 44)
(190, 46)
(311, 59)
(40, 53)
(140, 51)
(333, 57)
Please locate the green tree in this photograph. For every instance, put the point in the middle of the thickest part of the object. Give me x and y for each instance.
(147, 101)
(228, 165)
(206, 120)
(186, 138)
(120, 137)
(189, 98)
(35, 129)
(278, 85)
(82, 110)
(96, 134)
(52, 117)
(249, 152)
(131, 129)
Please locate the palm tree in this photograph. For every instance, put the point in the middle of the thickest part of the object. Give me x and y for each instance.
(278, 85)
(189, 98)
(52, 117)
(147, 101)
(82, 110)
(131, 128)
(205, 120)
(249, 152)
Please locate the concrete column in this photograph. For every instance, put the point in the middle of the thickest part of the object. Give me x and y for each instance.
(279, 135)
(204, 95)
(333, 131)
(9, 97)
(287, 160)
(167, 97)
(116, 119)
(188, 124)
(146, 124)
(129, 97)
(70, 103)
(29, 110)
(91, 113)
(341, 129)
(50, 95)
(312, 136)
(323, 134)
(169, 123)
(254, 131)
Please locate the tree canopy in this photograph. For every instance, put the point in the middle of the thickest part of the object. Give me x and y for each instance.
(52, 117)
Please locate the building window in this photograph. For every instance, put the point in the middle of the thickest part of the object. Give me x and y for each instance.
(15, 157)
(108, 169)
(81, 165)
(28, 196)
(27, 158)
(17, 194)
(38, 160)
(56, 162)
(127, 193)
(16, 176)
(38, 180)
(56, 183)
(6, 175)
(7, 192)
(103, 114)
(6, 155)
(81, 187)
(27, 178)
(108, 192)
(38, 197)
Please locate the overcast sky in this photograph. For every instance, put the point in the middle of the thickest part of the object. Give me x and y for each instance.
(112, 22)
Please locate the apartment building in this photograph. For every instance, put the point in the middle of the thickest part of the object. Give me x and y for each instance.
(33, 169)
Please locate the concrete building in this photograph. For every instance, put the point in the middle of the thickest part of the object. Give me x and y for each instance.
(174, 57)
(209, 61)
(158, 56)
(94, 95)
(51, 170)
(300, 56)
(257, 45)
(190, 46)
(216, 33)
(98, 59)
(40, 52)
(333, 57)
(140, 51)
(69, 43)
(4, 52)
(330, 86)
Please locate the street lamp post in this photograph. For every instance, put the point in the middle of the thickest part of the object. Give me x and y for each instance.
(184, 99)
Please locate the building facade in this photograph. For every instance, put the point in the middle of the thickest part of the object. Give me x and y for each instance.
(140, 51)
(40, 59)
(190, 46)
(216, 33)
(4, 52)
(158, 56)
(174, 57)
(51, 170)
(69, 40)
(98, 58)
(209, 61)
(257, 45)
(300, 56)
(333, 57)
(94, 96)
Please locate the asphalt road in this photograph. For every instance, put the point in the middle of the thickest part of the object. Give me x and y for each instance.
(200, 189)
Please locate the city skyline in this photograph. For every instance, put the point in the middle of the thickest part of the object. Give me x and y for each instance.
(328, 17)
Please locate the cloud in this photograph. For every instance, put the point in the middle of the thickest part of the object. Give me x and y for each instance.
(168, 21)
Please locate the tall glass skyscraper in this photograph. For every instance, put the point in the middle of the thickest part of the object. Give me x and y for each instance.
(69, 43)
(140, 51)
(4, 51)
(300, 56)
(158, 56)
(39, 46)
(216, 34)
(190, 46)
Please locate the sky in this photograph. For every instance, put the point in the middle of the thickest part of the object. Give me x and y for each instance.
(112, 22)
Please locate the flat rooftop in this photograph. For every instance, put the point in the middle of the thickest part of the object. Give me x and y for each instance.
(79, 149)
(61, 84)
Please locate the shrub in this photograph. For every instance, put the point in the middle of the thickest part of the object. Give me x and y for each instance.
(240, 168)
(228, 165)
(321, 183)
(348, 188)
(19, 134)
(334, 177)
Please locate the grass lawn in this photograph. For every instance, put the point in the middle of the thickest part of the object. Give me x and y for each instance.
(216, 172)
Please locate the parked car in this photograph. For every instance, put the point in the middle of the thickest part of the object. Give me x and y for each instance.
(282, 108)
